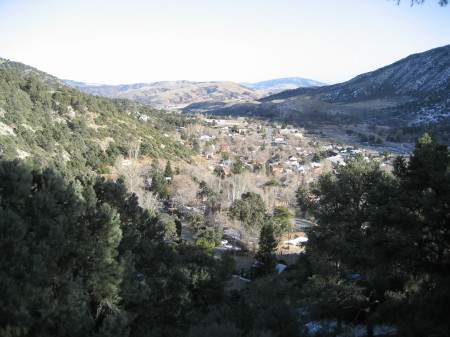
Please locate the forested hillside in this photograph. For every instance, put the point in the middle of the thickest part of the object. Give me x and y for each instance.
(43, 120)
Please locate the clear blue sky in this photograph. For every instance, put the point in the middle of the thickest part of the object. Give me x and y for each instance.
(129, 41)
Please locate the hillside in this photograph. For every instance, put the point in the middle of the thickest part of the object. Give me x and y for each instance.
(173, 95)
(76, 131)
(411, 93)
(415, 75)
(282, 84)
(25, 70)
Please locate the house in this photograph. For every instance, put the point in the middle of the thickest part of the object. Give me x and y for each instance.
(202, 137)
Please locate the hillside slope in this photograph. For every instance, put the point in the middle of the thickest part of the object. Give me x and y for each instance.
(25, 70)
(63, 126)
(415, 75)
(413, 92)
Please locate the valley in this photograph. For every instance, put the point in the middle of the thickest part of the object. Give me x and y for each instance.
(311, 210)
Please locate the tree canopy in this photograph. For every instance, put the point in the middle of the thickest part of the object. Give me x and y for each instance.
(383, 242)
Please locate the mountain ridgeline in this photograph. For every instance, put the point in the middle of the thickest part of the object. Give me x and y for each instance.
(173, 95)
(417, 75)
(413, 93)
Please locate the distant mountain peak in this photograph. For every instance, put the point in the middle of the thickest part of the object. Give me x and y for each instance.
(281, 84)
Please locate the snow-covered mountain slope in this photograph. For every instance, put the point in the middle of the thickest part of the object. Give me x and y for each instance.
(416, 75)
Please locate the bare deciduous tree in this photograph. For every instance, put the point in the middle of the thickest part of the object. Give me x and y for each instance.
(184, 189)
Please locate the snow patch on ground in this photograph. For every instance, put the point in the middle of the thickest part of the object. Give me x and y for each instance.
(431, 114)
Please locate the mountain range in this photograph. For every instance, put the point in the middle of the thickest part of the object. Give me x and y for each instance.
(193, 96)
(414, 91)
(173, 95)
(411, 93)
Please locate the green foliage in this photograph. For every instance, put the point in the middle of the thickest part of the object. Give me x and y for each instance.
(195, 219)
(282, 216)
(82, 258)
(266, 252)
(66, 126)
(250, 209)
(303, 198)
(196, 146)
(169, 224)
(210, 235)
(62, 250)
(168, 173)
(238, 166)
(213, 199)
(160, 185)
(228, 264)
(273, 183)
(219, 172)
(205, 243)
(389, 231)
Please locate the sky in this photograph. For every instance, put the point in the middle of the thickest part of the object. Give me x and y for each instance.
(142, 41)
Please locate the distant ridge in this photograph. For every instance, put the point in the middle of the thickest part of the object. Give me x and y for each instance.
(173, 95)
(417, 74)
(281, 84)
(412, 92)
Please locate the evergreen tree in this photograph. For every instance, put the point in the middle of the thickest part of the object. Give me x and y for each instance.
(160, 186)
(267, 246)
(250, 209)
(168, 173)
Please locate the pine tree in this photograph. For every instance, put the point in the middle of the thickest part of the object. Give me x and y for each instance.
(168, 173)
(267, 246)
